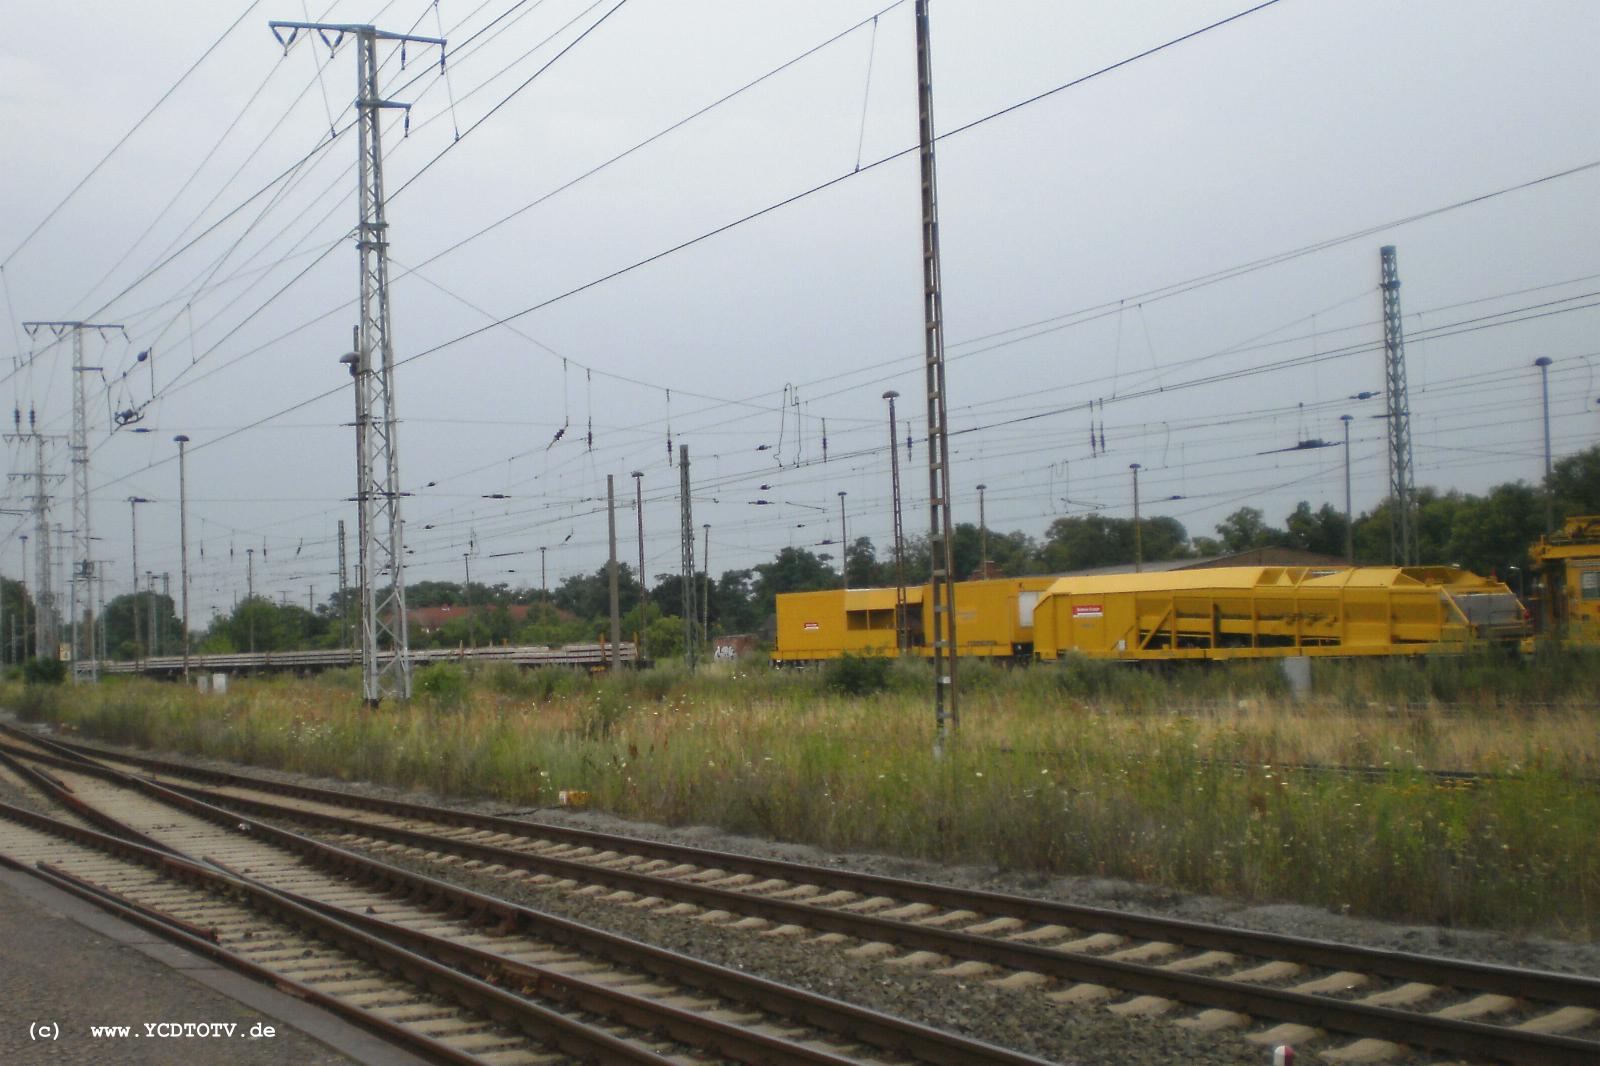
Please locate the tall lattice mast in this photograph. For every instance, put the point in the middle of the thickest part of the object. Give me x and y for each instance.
(85, 660)
(1402, 508)
(686, 509)
(45, 637)
(941, 587)
(378, 493)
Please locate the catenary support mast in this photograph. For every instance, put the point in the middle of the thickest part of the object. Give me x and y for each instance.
(941, 586)
(85, 659)
(45, 636)
(686, 509)
(1402, 513)
(378, 493)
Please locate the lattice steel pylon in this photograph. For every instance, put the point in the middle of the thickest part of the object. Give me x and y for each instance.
(85, 660)
(378, 493)
(1402, 511)
(46, 634)
(942, 586)
(686, 516)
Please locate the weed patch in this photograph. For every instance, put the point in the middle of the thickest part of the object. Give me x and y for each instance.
(1210, 780)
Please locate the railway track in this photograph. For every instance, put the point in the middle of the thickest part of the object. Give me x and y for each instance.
(1357, 1004)
(460, 976)
(276, 939)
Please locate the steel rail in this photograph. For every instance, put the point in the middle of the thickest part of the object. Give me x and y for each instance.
(686, 1026)
(479, 996)
(870, 1027)
(1360, 1019)
(1398, 965)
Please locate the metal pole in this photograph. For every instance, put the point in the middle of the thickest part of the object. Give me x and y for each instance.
(611, 572)
(941, 586)
(46, 638)
(22, 649)
(544, 588)
(82, 567)
(100, 609)
(472, 621)
(133, 527)
(344, 593)
(983, 537)
(183, 546)
(902, 635)
(44, 606)
(705, 601)
(59, 565)
(1543, 363)
(1138, 534)
(644, 589)
(1349, 518)
(150, 606)
(844, 547)
(686, 538)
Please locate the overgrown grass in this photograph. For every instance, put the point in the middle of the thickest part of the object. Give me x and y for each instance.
(1175, 777)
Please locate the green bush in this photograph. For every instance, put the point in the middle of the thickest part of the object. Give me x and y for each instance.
(444, 683)
(42, 671)
(508, 679)
(553, 682)
(856, 675)
(1076, 675)
(663, 639)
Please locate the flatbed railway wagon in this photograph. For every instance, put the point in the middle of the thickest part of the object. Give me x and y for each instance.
(1266, 611)
(994, 619)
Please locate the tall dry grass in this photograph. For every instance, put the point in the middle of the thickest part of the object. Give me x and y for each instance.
(1098, 769)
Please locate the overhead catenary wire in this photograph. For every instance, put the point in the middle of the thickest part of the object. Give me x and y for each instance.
(330, 248)
(123, 140)
(1078, 81)
(171, 254)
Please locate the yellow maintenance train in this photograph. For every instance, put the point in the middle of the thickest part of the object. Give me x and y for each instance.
(1229, 612)
(1568, 568)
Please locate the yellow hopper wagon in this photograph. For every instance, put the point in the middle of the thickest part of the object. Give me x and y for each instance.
(815, 626)
(994, 619)
(1273, 611)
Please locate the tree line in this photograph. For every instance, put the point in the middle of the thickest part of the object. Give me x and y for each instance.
(1488, 534)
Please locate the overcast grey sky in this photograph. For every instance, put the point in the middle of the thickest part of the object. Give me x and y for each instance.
(1068, 227)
